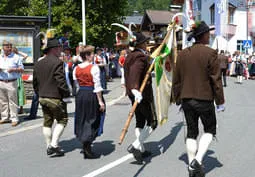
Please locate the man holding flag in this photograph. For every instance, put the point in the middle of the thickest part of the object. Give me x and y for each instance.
(196, 85)
(135, 68)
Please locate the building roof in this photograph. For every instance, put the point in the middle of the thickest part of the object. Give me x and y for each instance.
(160, 17)
(39, 19)
(136, 19)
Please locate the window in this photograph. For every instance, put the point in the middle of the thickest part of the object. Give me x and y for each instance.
(199, 5)
(239, 46)
(231, 11)
(212, 12)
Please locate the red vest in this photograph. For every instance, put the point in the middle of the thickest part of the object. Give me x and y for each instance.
(84, 76)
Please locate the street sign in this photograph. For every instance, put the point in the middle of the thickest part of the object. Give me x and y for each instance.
(247, 44)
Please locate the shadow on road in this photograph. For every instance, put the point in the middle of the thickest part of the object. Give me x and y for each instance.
(160, 146)
(103, 148)
(209, 162)
(70, 145)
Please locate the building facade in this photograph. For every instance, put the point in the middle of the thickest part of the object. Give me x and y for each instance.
(238, 25)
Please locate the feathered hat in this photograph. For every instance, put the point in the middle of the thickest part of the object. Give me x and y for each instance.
(198, 28)
(49, 40)
(133, 38)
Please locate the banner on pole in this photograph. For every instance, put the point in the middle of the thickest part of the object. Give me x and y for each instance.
(221, 14)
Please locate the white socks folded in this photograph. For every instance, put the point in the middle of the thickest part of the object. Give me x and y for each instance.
(198, 153)
(53, 138)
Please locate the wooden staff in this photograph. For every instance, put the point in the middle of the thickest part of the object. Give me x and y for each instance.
(132, 111)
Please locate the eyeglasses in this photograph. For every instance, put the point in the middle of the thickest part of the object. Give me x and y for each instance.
(7, 45)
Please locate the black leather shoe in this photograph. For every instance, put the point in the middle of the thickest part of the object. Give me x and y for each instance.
(87, 152)
(56, 151)
(90, 155)
(146, 154)
(130, 148)
(136, 153)
(191, 172)
(198, 169)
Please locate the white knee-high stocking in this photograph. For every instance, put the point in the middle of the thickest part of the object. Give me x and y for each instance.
(191, 146)
(142, 135)
(58, 130)
(241, 79)
(204, 143)
(137, 142)
(47, 132)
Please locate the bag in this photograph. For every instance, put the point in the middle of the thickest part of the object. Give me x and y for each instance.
(112, 66)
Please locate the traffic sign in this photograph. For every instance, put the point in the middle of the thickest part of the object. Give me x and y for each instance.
(247, 44)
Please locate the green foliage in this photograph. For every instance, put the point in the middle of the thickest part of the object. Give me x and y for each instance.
(12, 7)
(142, 5)
(67, 16)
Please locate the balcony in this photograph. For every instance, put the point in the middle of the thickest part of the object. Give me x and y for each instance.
(177, 2)
(230, 30)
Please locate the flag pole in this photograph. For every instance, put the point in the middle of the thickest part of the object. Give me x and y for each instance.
(83, 23)
(153, 55)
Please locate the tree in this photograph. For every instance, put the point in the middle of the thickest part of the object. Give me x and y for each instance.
(67, 16)
(12, 7)
(142, 5)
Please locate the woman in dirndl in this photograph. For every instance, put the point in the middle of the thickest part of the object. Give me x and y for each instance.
(89, 102)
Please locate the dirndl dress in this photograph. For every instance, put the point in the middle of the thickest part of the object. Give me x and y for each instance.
(89, 119)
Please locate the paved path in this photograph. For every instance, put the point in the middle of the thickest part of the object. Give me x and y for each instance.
(23, 154)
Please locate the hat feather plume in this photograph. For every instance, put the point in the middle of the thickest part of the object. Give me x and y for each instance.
(50, 33)
(130, 25)
(125, 28)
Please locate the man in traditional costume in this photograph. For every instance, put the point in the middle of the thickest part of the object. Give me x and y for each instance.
(49, 83)
(135, 68)
(197, 84)
(223, 66)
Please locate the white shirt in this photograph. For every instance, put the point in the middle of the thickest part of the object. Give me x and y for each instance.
(95, 72)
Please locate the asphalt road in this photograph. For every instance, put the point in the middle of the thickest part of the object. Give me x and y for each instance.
(23, 150)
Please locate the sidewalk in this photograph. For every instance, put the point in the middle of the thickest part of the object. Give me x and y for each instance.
(113, 94)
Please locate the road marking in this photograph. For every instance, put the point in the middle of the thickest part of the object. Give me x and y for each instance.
(13, 132)
(109, 166)
(110, 103)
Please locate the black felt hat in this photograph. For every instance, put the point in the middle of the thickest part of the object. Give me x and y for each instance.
(140, 38)
(52, 43)
(199, 28)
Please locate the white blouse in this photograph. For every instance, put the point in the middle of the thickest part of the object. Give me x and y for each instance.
(95, 71)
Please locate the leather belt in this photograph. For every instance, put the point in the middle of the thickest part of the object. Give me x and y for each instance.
(6, 81)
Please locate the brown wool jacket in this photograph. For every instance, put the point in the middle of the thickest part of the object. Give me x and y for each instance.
(135, 68)
(223, 61)
(49, 78)
(197, 75)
